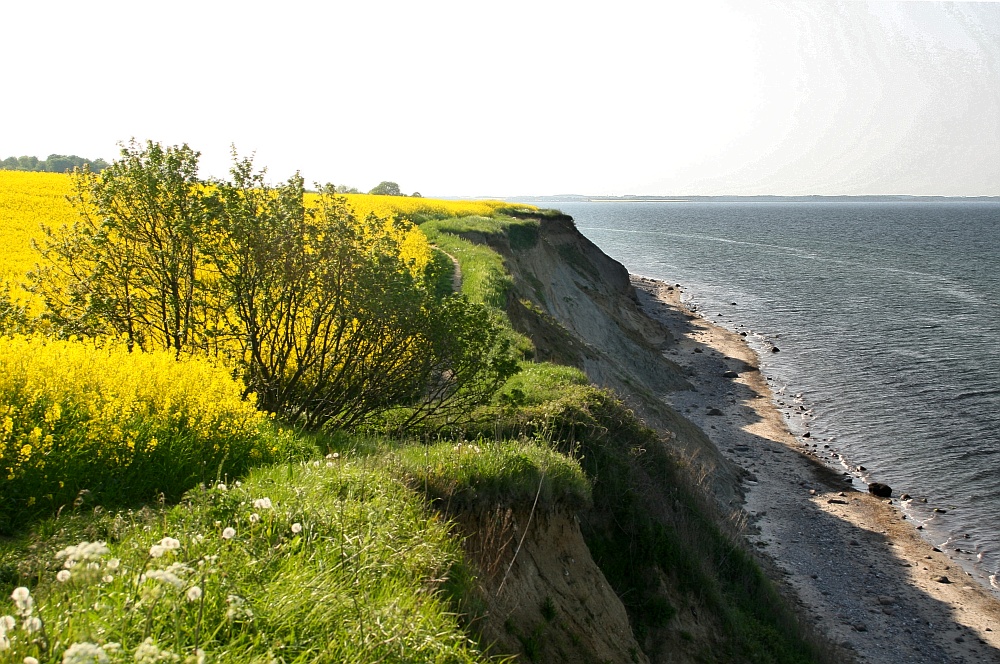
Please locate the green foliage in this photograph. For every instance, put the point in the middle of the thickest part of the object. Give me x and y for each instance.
(332, 561)
(315, 308)
(54, 163)
(386, 188)
(482, 475)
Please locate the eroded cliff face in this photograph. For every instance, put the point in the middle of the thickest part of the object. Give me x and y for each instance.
(578, 307)
(544, 596)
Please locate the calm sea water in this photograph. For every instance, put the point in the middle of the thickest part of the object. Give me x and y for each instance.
(888, 320)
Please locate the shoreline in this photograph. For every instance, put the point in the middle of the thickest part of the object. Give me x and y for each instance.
(858, 565)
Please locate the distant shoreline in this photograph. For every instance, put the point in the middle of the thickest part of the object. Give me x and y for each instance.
(752, 199)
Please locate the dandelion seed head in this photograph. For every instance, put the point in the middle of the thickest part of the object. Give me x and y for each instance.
(220, 486)
(157, 551)
(170, 544)
(296, 528)
(229, 533)
(113, 563)
(262, 504)
(4, 643)
(255, 518)
(7, 623)
(107, 578)
(31, 624)
(193, 594)
(63, 576)
(20, 594)
(30, 660)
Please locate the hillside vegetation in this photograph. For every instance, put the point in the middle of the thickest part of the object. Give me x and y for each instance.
(243, 422)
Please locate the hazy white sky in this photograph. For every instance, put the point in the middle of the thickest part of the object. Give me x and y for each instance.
(524, 98)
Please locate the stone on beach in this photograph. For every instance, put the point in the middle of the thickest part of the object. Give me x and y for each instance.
(879, 489)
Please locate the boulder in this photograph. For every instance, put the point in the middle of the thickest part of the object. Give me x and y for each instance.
(880, 490)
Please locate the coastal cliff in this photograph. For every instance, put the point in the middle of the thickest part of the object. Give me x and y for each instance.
(663, 532)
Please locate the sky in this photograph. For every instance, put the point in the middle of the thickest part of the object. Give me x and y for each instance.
(707, 97)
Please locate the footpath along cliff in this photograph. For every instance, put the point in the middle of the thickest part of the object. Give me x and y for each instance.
(722, 538)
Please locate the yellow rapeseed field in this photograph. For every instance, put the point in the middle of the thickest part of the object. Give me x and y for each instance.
(28, 200)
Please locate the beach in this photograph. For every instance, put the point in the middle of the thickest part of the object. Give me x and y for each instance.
(857, 566)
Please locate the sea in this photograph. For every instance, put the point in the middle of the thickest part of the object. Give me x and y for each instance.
(887, 318)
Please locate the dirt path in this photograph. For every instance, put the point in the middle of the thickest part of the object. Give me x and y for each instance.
(861, 571)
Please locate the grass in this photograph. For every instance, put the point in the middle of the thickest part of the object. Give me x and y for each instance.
(329, 561)
(485, 474)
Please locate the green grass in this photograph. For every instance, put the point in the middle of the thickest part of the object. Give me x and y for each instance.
(342, 564)
(482, 475)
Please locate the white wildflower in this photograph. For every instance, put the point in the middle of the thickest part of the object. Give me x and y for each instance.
(296, 528)
(148, 653)
(197, 658)
(107, 578)
(113, 563)
(229, 533)
(112, 647)
(193, 594)
(170, 544)
(220, 486)
(30, 660)
(4, 643)
(157, 551)
(262, 504)
(238, 484)
(23, 600)
(31, 624)
(85, 653)
(83, 552)
(63, 576)
(316, 464)
(6, 624)
(255, 518)
(164, 576)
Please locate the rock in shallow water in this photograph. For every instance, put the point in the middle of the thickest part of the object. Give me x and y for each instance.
(880, 490)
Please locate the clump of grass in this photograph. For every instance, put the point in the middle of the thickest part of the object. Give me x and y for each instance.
(481, 475)
(121, 426)
(332, 560)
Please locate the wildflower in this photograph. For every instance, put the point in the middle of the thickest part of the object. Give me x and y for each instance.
(6, 624)
(220, 486)
(113, 563)
(316, 464)
(329, 464)
(238, 484)
(255, 518)
(63, 576)
(170, 544)
(197, 658)
(23, 600)
(262, 504)
(229, 533)
(296, 528)
(31, 624)
(164, 576)
(193, 594)
(4, 643)
(148, 653)
(107, 578)
(83, 552)
(85, 653)
(30, 660)
(157, 551)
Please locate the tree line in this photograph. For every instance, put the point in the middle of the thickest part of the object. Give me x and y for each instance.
(54, 163)
(319, 311)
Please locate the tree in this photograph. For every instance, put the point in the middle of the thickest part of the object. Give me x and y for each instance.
(129, 265)
(386, 188)
(318, 310)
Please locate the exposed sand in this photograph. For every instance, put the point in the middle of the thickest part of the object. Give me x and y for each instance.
(861, 571)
